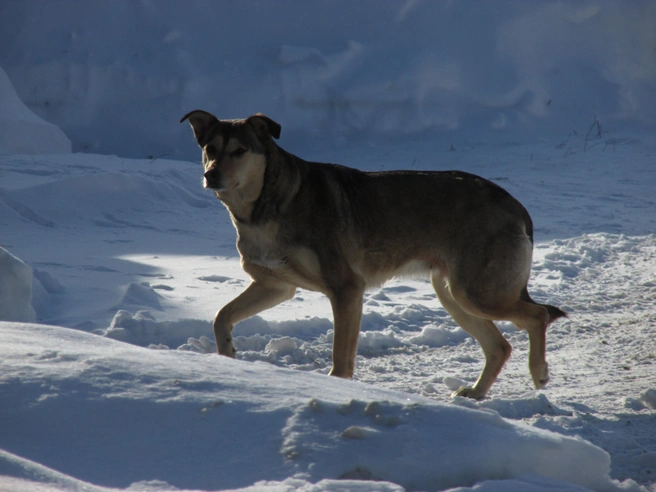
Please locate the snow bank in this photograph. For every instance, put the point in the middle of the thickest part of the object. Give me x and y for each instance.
(104, 199)
(22, 131)
(26, 294)
(116, 415)
(117, 77)
(15, 289)
(301, 343)
(517, 408)
(143, 329)
(648, 398)
(403, 444)
(147, 258)
(646, 401)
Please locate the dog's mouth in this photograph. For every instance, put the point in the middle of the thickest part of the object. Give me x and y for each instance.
(211, 185)
(218, 187)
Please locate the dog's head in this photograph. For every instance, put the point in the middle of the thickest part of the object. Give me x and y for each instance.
(234, 151)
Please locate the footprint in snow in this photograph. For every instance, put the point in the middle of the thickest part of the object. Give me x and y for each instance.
(214, 278)
(163, 287)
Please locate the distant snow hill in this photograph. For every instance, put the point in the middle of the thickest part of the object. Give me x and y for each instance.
(22, 131)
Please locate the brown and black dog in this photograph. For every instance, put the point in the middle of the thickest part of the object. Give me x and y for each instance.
(340, 231)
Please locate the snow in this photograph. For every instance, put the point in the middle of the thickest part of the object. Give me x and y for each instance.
(22, 131)
(16, 289)
(132, 399)
(113, 260)
(112, 75)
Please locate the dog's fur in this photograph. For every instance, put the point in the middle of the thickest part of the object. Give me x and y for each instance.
(340, 231)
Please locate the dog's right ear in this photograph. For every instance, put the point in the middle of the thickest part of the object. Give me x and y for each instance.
(201, 122)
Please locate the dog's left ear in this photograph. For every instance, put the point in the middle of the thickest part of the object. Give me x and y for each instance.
(264, 126)
(201, 122)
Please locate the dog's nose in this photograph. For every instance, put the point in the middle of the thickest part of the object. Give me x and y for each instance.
(212, 178)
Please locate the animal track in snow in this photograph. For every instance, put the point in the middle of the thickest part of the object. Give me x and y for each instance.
(214, 278)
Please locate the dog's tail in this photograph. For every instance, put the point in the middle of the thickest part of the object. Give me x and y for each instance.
(553, 311)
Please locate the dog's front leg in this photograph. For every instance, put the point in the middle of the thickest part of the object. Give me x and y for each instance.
(257, 297)
(347, 315)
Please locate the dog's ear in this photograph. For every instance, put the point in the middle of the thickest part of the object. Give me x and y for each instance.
(264, 126)
(201, 122)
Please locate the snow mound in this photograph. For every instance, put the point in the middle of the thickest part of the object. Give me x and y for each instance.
(438, 336)
(144, 330)
(15, 289)
(112, 200)
(22, 131)
(141, 294)
(378, 442)
(375, 342)
(516, 409)
(18, 474)
(309, 327)
(647, 400)
(325, 429)
(524, 484)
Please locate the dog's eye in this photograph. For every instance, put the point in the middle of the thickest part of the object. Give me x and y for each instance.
(238, 152)
(210, 149)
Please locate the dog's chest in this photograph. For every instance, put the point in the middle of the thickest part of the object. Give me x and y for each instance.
(258, 244)
(261, 246)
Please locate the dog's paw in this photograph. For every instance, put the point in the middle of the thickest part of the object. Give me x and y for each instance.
(541, 383)
(467, 392)
(225, 347)
(540, 376)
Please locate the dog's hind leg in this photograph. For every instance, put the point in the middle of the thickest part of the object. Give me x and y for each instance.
(535, 318)
(495, 347)
(535, 324)
(258, 296)
(347, 315)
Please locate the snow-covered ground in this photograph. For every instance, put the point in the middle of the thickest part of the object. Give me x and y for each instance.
(123, 261)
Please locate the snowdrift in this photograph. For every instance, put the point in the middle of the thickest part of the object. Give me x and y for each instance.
(22, 131)
(206, 422)
(15, 289)
(553, 101)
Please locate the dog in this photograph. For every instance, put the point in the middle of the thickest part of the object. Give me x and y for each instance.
(341, 231)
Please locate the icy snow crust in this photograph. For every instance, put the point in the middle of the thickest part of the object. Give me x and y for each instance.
(123, 262)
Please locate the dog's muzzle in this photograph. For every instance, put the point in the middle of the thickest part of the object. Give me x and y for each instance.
(212, 179)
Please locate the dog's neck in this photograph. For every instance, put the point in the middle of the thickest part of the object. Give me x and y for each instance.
(280, 184)
(239, 204)
(242, 200)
